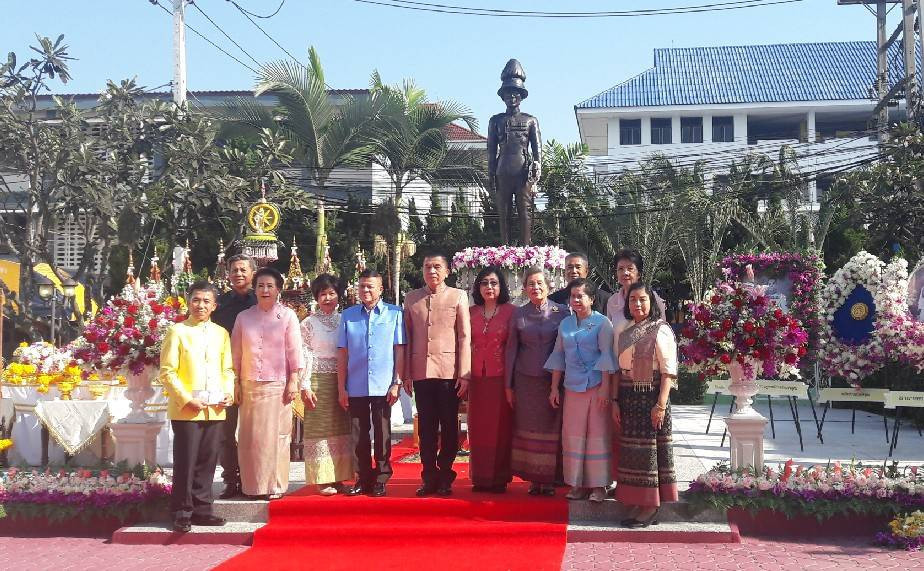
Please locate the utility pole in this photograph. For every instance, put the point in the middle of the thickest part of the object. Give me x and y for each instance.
(882, 71)
(179, 52)
(909, 12)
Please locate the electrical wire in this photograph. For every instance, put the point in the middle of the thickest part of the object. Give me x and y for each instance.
(281, 4)
(201, 35)
(490, 12)
(225, 34)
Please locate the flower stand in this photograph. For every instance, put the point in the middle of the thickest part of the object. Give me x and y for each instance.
(136, 434)
(745, 425)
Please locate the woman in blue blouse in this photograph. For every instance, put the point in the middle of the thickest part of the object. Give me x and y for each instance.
(583, 356)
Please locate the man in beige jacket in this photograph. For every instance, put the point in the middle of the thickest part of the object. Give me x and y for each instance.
(439, 362)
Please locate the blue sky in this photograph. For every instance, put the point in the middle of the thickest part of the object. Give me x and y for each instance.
(452, 56)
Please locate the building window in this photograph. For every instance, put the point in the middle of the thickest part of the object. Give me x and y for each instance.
(723, 129)
(660, 131)
(630, 131)
(691, 129)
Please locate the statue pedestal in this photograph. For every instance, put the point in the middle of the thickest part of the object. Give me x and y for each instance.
(746, 425)
(136, 442)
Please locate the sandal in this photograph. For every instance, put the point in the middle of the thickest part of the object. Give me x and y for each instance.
(576, 493)
(598, 495)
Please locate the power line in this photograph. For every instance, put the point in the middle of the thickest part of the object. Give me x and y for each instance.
(281, 4)
(201, 35)
(225, 34)
(499, 13)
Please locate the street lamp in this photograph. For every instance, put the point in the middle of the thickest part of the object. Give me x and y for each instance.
(46, 291)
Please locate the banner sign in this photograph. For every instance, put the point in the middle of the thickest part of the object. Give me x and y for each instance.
(851, 395)
(911, 399)
(771, 388)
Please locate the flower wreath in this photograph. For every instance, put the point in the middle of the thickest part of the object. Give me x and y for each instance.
(901, 334)
(853, 361)
(804, 270)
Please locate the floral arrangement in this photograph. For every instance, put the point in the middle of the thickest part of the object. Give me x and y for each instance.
(895, 335)
(83, 494)
(804, 271)
(510, 257)
(905, 531)
(739, 323)
(44, 365)
(816, 490)
(127, 333)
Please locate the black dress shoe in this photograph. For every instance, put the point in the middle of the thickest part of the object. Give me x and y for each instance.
(640, 523)
(444, 490)
(210, 520)
(231, 490)
(478, 488)
(378, 490)
(182, 524)
(425, 490)
(499, 489)
(356, 490)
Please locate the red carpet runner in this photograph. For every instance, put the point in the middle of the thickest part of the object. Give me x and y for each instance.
(481, 532)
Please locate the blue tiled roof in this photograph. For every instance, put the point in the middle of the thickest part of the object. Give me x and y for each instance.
(832, 71)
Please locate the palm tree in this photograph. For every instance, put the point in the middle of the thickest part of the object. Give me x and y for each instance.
(410, 144)
(323, 135)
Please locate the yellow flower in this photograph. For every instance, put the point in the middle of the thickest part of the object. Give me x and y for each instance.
(5, 443)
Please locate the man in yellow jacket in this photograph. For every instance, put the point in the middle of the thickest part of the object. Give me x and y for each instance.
(196, 369)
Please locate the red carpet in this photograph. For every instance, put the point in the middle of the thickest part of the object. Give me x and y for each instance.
(465, 531)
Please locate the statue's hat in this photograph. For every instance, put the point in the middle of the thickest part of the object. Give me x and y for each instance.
(513, 77)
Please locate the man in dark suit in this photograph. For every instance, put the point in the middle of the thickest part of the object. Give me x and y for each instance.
(577, 266)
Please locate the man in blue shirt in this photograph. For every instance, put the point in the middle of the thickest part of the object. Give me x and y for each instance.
(371, 342)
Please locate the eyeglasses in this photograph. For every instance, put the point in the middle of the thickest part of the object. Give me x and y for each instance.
(490, 283)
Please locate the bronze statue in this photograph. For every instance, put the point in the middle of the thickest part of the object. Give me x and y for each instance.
(516, 168)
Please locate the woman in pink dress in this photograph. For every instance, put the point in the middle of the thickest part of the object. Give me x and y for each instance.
(266, 346)
(489, 414)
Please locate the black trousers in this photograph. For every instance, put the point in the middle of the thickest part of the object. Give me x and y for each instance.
(374, 413)
(230, 471)
(437, 422)
(195, 453)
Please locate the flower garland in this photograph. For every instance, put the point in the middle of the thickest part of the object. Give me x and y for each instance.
(905, 532)
(44, 365)
(896, 335)
(127, 333)
(804, 270)
(81, 494)
(853, 362)
(901, 335)
(510, 257)
(819, 491)
(738, 322)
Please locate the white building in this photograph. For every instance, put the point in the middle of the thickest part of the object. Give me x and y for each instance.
(716, 104)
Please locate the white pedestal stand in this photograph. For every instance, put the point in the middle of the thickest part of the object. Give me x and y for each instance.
(136, 434)
(746, 425)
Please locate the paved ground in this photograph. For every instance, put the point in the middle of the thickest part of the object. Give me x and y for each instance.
(69, 553)
(748, 555)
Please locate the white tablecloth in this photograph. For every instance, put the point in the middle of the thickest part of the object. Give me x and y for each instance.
(73, 424)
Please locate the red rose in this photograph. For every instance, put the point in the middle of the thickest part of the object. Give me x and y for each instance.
(802, 351)
(750, 341)
(688, 332)
(790, 359)
(90, 336)
(760, 331)
(129, 321)
(725, 358)
(123, 349)
(778, 314)
(727, 324)
(102, 347)
(157, 308)
(748, 326)
(716, 299)
(132, 309)
(152, 324)
(738, 303)
(148, 341)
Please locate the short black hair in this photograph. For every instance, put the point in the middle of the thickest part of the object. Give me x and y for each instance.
(369, 273)
(502, 297)
(326, 281)
(590, 288)
(654, 313)
(269, 271)
(435, 254)
(201, 285)
(242, 258)
(632, 256)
